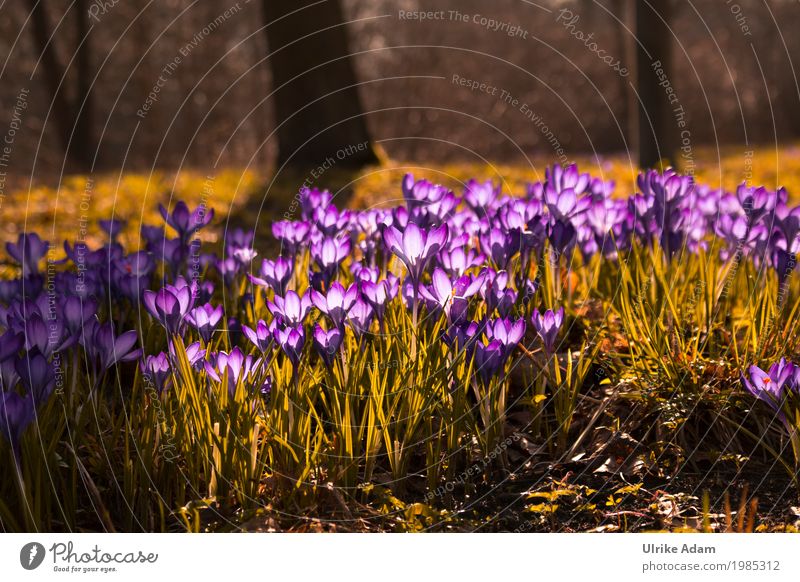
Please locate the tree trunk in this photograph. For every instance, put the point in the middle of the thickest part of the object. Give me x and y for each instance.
(84, 148)
(653, 58)
(317, 104)
(73, 119)
(52, 69)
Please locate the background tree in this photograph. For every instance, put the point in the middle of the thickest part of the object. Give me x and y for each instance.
(653, 44)
(316, 99)
(71, 113)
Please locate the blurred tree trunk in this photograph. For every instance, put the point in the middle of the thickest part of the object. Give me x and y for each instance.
(317, 103)
(85, 147)
(623, 10)
(73, 117)
(654, 47)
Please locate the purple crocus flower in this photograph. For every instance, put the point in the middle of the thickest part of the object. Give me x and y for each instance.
(362, 272)
(9, 290)
(459, 260)
(360, 317)
(451, 298)
(8, 375)
(104, 349)
(152, 235)
(562, 236)
(489, 359)
(204, 291)
(565, 205)
(170, 305)
(77, 311)
(235, 365)
(157, 370)
(547, 325)
(498, 245)
(770, 387)
(16, 413)
(131, 274)
(266, 387)
(244, 256)
(237, 240)
(755, 202)
(261, 336)
(292, 308)
(171, 251)
(37, 376)
(509, 332)
(330, 221)
(313, 198)
(327, 343)
(788, 225)
(112, 227)
(291, 340)
(292, 235)
(28, 251)
(497, 294)
(328, 254)
(559, 178)
(10, 343)
(525, 221)
(84, 258)
(377, 294)
(736, 233)
(44, 336)
(480, 196)
(422, 192)
(336, 303)
(205, 319)
(186, 222)
(274, 275)
(229, 268)
(415, 246)
(464, 335)
(195, 355)
(435, 212)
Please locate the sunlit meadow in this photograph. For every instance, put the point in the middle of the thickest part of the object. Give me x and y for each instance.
(589, 346)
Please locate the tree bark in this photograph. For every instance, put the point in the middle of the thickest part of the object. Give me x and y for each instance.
(73, 118)
(317, 103)
(84, 147)
(654, 47)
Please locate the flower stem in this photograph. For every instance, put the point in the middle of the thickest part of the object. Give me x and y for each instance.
(414, 324)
